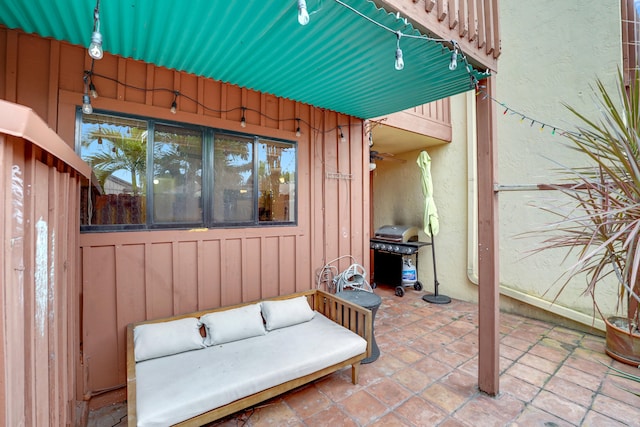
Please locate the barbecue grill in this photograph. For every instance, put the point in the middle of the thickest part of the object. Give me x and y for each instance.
(391, 244)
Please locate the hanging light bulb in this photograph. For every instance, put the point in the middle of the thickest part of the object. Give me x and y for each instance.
(243, 120)
(399, 61)
(92, 90)
(174, 104)
(454, 59)
(342, 138)
(298, 129)
(86, 104)
(303, 15)
(95, 48)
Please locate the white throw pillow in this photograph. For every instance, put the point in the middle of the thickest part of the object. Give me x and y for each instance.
(165, 338)
(288, 312)
(233, 325)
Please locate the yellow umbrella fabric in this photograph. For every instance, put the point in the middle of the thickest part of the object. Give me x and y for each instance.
(430, 210)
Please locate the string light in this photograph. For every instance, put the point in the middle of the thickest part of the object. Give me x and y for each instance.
(86, 101)
(342, 138)
(89, 75)
(174, 104)
(532, 121)
(298, 129)
(243, 120)
(303, 15)
(399, 64)
(95, 48)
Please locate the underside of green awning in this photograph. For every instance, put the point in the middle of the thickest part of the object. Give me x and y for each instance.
(342, 60)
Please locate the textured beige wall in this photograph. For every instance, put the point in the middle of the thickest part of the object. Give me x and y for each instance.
(551, 53)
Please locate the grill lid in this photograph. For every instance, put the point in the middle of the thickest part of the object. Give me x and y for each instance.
(397, 233)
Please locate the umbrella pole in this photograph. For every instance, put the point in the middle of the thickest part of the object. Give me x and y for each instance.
(435, 298)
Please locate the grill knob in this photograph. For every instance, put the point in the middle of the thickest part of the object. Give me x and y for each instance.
(396, 248)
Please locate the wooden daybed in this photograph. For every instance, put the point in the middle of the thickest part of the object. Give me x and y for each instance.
(172, 378)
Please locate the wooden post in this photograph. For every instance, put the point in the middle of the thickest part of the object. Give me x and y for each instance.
(488, 266)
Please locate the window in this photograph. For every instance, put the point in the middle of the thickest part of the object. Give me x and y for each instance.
(152, 174)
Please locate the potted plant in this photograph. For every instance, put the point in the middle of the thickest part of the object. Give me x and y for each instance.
(602, 225)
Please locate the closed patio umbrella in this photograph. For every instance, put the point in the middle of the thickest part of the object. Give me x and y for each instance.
(431, 222)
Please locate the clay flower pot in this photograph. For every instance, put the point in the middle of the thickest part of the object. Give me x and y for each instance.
(621, 344)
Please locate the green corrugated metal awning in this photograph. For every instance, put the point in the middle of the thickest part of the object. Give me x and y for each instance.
(340, 61)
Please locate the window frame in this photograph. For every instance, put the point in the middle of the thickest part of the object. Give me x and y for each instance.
(208, 182)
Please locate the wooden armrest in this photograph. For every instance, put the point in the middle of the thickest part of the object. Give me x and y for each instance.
(132, 417)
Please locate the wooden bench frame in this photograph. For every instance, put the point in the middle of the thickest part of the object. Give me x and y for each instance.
(352, 316)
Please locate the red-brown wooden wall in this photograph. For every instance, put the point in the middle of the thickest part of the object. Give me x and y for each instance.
(40, 287)
(131, 276)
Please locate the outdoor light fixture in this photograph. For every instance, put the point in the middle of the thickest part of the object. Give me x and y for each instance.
(92, 90)
(399, 61)
(298, 128)
(174, 104)
(454, 59)
(342, 138)
(86, 101)
(86, 104)
(243, 120)
(95, 48)
(303, 15)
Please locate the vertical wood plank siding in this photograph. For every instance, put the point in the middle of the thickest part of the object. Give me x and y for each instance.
(133, 276)
(39, 298)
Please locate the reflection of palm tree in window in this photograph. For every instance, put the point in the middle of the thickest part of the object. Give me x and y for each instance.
(128, 153)
(177, 174)
(179, 155)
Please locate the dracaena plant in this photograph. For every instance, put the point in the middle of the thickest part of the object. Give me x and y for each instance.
(602, 225)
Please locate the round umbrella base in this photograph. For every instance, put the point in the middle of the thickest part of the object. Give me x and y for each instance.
(437, 299)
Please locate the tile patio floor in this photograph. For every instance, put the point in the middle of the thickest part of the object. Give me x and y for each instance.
(426, 375)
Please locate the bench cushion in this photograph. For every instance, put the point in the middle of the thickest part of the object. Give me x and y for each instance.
(233, 325)
(174, 388)
(167, 338)
(282, 313)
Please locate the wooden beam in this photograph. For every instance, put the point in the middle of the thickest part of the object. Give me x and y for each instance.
(488, 267)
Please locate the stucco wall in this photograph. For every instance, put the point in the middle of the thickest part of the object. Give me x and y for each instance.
(551, 53)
